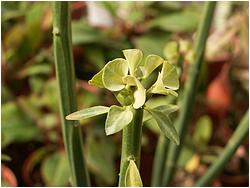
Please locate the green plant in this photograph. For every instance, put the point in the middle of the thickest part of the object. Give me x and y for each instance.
(66, 83)
(127, 79)
(239, 135)
(190, 90)
(172, 54)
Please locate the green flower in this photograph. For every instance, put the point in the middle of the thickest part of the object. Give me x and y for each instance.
(123, 77)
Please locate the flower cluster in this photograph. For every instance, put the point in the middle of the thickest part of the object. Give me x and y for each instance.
(125, 78)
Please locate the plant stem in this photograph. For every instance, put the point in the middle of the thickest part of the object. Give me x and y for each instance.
(239, 135)
(159, 161)
(131, 144)
(189, 91)
(66, 85)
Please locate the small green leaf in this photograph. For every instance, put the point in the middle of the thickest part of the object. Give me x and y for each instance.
(117, 119)
(88, 112)
(132, 176)
(158, 88)
(203, 131)
(134, 57)
(169, 76)
(113, 73)
(165, 109)
(97, 80)
(183, 21)
(165, 125)
(151, 63)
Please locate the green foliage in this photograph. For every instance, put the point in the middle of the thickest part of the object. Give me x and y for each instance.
(203, 131)
(165, 125)
(30, 99)
(55, 169)
(152, 42)
(177, 22)
(166, 109)
(17, 126)
(83, 33)
(100, 159)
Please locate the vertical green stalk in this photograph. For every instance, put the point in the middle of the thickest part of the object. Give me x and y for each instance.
(67, 97)
(234, 142)
(159, 160)
(189, 91)
(131, 144)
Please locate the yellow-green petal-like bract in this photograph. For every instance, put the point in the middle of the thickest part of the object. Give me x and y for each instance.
(169, 76)
(132, 176)
(118, 117)
(113, 73)
(88, 112)
(97, 80)
(159, 88)
(151, 63)
(134, 57)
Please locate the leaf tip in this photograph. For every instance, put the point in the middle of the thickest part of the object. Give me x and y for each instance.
(69, 117)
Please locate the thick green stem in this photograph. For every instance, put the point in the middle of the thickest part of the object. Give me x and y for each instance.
(234, 142)
(67, 97)
(189, 91)
(131, 144)
(159, 161)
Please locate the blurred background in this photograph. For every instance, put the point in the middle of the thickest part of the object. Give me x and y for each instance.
(31, 138)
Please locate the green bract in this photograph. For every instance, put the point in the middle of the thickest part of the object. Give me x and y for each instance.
(151, 63)
(123, 77)
(132, 176)
(169, 76)
(113, 73)
(118, 117)
(133, 57)
(88, 112)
